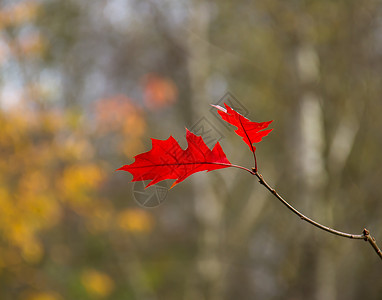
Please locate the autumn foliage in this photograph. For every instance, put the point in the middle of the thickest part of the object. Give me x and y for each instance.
(251, 132)
(167, 160)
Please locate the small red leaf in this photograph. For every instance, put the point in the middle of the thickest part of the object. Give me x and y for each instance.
(251, 132)
(167, 160)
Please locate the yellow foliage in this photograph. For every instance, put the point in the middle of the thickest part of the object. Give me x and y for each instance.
(6, 205)
(75, 147)
(33, 182)
(29, 197)
(78, 181)
(32, 251)
(49, 165)
(97, 283)
(135, 220)
(19, 232)
(43, 296)
(42, 208)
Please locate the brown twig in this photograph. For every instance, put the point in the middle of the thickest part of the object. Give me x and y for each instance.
(364, 236)
(371, 240)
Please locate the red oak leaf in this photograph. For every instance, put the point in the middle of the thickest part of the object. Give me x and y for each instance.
(167, 160)
(251, 132)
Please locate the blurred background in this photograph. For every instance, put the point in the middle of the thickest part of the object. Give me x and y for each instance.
(85, 84)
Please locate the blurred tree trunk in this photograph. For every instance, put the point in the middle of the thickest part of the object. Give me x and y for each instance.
(312, 163)
(207, 281)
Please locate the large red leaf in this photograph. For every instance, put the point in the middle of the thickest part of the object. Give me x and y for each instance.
(251, 132)
(167, 160)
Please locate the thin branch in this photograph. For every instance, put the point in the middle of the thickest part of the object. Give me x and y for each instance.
(364, 236)
(372, 242)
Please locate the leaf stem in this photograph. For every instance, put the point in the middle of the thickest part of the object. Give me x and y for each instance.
(364, 236)
(239, 167)
(250, 144)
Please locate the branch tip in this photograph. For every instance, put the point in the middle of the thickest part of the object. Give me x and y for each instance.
(366, 234)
